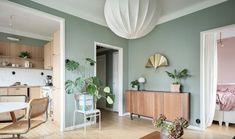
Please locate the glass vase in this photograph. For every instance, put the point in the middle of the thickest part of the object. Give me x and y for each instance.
(164, 133)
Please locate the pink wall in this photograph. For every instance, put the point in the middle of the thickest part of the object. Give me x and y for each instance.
(226, 61)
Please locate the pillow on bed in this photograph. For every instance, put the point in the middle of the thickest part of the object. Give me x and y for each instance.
(223, 90)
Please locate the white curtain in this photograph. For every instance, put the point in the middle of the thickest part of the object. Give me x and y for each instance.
(210, 76)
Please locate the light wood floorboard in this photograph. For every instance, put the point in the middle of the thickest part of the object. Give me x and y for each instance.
(115, 127)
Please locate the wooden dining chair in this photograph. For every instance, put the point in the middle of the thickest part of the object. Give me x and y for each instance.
(36, 108)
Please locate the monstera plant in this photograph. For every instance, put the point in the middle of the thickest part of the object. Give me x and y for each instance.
(91, 86)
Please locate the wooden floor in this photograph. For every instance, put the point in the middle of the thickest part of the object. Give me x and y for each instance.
(114, 127)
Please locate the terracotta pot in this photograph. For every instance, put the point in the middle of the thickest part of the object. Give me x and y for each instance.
(175, 88)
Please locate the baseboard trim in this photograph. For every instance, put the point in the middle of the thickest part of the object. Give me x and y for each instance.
(78, 126)
(126, 114)
(194, 127)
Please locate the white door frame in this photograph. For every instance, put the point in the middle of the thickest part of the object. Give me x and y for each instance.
(120, 71)
(202, 72)
(62, 52)
(115, 53)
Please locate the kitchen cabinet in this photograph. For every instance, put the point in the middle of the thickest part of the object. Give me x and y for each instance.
(12, 91)
(153, 103)
(48, 56)
(56, 43)
(29, 91)
(35, 92)
(17, 91)
(10, 51)
(3, 91)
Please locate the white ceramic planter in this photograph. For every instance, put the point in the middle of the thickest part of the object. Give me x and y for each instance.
(175, 88)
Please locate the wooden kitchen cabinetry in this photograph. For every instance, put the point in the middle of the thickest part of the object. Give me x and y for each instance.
(30, 92)
(152, 104)
(17, 91)
(48, 55)
(35, 92)
(10, 51)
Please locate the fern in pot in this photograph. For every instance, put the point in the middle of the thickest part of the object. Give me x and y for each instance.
(177, 76)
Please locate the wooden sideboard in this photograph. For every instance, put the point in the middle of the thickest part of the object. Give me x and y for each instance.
(153, 103)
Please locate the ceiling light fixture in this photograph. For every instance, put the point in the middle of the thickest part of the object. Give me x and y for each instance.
(13, 39)
(131, 19)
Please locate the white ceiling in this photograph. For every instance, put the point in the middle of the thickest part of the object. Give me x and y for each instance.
(25, 23)
(92, 10)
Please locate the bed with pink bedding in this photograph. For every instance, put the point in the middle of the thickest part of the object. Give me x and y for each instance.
(225, 100)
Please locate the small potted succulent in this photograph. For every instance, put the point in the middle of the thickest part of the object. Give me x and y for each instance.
(172, 130)
(135, 85)
(177, 76)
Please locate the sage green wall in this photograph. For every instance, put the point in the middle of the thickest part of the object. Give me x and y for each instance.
(80, 36)
(179, 41)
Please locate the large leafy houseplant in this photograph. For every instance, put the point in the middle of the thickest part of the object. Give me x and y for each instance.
(177, 76)
(90, 85)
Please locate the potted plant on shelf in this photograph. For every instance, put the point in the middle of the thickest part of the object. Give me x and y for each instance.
(177, 76)
(173, 130)
(24, 55)
(135, 85)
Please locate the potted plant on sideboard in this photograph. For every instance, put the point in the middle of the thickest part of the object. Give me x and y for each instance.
(135, 85)
(177, 76)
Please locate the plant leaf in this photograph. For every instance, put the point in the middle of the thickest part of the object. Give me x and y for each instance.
(80, 83)
(91, 89)
(107, 89)
(71, 65)
(171, 75)
(69, 87)
(109, 100)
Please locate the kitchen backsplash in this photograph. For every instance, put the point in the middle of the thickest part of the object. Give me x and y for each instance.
(34, 77)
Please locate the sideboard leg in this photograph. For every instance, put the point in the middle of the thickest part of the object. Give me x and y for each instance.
(131, 116)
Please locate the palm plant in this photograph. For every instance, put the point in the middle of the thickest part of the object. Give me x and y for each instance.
(178, 75)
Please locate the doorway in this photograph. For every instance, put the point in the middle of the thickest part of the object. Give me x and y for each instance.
(109, 68)
(58, 54)
(217, 81)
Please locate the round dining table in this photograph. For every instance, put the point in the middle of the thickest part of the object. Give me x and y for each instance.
(11, 107)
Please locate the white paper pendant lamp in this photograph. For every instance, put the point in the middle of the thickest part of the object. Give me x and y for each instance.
(131, 19)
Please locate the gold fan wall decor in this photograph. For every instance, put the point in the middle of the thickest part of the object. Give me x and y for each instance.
(156, 60)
